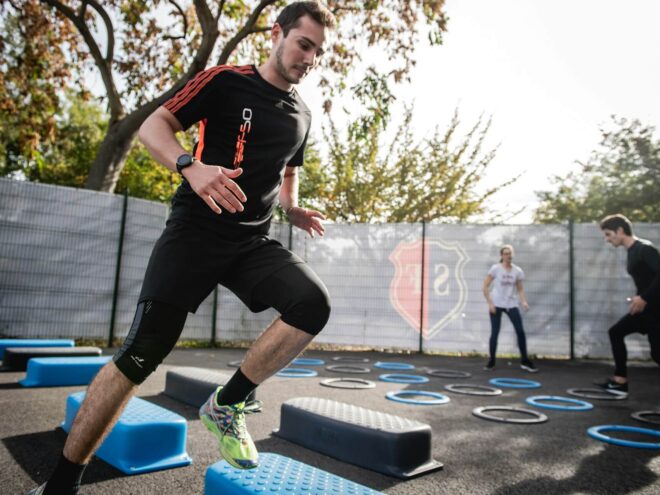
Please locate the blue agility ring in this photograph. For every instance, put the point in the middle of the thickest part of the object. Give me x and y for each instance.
(307, 362)
(402, 378)
(595, 432)
(297, 373)
(394, 366)
(580, 405)
(437, 398)
(514, 383)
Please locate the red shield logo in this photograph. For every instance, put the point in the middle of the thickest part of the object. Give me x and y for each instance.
(428, 289)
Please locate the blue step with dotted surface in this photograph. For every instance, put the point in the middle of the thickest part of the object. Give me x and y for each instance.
(382, 442)
(4, 343)
(277, 474)
(146, 438)
(62, 371)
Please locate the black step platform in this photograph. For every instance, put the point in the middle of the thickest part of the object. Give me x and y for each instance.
(374, 440)
(16, 358)
(194, 385)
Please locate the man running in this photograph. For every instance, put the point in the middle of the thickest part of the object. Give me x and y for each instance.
(253, 128)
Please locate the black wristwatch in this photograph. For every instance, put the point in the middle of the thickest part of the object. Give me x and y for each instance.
(184, 161)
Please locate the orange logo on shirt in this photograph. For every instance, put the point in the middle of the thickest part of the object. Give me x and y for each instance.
(241, 141)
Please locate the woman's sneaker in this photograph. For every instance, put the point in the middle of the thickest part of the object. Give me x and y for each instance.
(527, 365)
(613, 386)
(490, 365)
(227, 423)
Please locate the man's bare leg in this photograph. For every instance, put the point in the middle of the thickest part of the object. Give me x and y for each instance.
(104, 402)
(223, 413)
(273, 350)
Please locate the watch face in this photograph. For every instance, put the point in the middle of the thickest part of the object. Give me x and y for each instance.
(184, 160)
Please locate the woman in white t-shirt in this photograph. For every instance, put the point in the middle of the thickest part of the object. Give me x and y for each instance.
(503, 289)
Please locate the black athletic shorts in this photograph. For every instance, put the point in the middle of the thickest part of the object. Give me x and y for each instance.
(188, 261)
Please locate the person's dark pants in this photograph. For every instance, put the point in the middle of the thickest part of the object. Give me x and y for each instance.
(644, 323)
(495, 324)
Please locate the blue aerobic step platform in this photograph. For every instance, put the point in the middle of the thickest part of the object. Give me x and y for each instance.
(374, 440)
(4, 343)
(146, 438)
(62, 371)
(16, 358)
(277, 474)
(194, 385)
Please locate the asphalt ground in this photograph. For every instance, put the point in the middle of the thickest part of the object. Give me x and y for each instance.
(479, 456)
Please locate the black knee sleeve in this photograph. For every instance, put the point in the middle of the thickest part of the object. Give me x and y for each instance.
(153, 334)
(299, 295)
(310, 312)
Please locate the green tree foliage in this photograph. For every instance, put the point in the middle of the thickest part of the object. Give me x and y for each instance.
(408, 180)
(142, 52)
(621, 176)
(79, 127)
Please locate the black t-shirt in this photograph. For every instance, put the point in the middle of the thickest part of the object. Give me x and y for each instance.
(247, 122)
(644, 267)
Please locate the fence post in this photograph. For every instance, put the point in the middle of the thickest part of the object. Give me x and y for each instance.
(215, 317)
(120, 249)
(421, 305)
(571, 286)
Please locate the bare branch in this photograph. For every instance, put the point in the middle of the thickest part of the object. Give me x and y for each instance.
(108, 28)
(184, 19)
(220, 8)
(244, 32)
(209, 36)
(104, 65)
(259, 30)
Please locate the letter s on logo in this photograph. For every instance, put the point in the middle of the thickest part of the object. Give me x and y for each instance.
(441, 280)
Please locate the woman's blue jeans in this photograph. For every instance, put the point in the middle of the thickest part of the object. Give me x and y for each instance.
(495, 324)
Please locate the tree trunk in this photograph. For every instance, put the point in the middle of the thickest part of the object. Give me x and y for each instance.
(111, 156)
(110, 159)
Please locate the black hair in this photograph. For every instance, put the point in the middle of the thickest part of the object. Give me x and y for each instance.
(613, 222)
(290, 15)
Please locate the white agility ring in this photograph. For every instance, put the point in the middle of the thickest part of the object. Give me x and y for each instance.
(640, 416)
(596, 393)
(440, 373)
(465, 389)
(348, 383)
(481, 412)
(347, 368)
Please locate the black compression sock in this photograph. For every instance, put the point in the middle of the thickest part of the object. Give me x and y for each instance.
(66, 478)
(236, 390)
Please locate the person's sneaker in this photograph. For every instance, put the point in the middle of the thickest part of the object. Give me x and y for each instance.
(227, 423)
(527, 365)
(38, 490)
(490, 366)
(612, 386)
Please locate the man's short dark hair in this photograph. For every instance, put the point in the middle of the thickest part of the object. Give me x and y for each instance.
(290, 16)
(613, 222)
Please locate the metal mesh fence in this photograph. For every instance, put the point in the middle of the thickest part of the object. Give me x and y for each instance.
(405, 286)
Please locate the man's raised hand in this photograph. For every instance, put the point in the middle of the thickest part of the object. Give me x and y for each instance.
(307, 220)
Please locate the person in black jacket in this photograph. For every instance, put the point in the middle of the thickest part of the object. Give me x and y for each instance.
(644, 311)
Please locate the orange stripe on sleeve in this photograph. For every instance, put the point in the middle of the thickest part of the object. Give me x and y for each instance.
(195, 85)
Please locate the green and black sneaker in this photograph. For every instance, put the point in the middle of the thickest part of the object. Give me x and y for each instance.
(227, 423)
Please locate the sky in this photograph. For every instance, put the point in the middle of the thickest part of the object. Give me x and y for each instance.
(549, 73)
